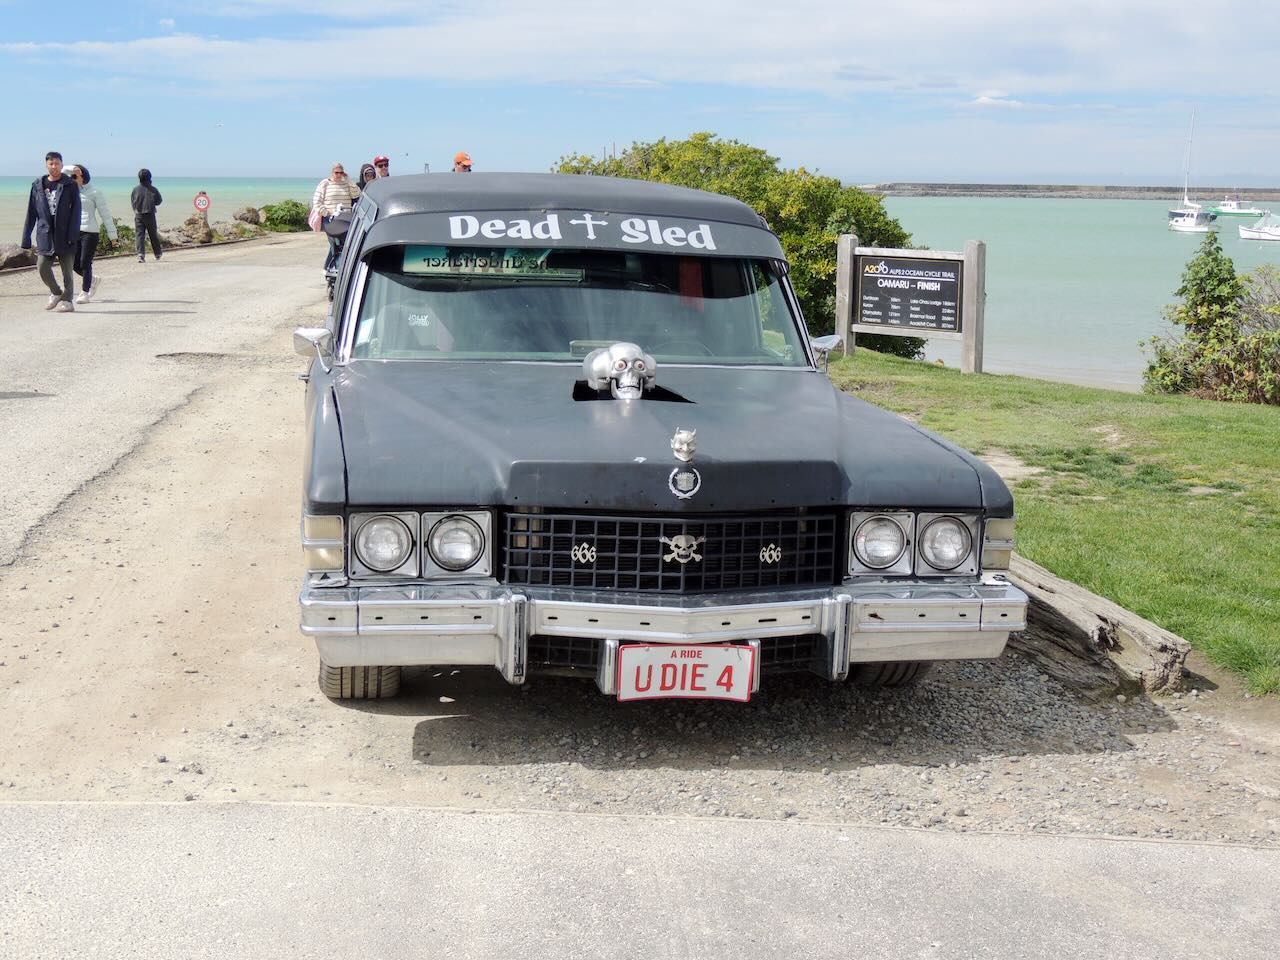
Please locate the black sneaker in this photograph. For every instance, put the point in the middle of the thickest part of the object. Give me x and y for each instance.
(142, 259)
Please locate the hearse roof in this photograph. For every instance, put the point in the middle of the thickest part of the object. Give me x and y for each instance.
(468, 192)
(563, 210)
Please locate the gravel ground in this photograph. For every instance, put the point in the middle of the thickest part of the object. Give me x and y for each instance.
(149, 652)
(985, 746)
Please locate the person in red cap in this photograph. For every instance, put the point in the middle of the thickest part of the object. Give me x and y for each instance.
(382, 165)
(462, 162)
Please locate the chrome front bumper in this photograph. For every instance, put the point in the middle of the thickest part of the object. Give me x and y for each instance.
(490, 625)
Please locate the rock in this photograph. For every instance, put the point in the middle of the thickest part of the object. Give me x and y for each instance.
(174, 237)
(197, 228)
(12, 255)
(248, 215)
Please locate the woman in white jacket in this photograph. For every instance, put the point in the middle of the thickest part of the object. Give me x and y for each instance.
(93, 211)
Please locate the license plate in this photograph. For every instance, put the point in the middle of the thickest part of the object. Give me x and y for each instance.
(657, 671)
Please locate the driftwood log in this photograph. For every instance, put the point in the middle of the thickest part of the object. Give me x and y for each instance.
(1089, 643)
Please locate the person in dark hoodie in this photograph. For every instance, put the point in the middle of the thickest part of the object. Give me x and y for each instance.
(53, 212)
(144, 200)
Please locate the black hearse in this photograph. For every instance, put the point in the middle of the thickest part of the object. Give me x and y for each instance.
(576, 424)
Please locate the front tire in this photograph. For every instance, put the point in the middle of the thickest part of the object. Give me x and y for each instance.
(359, 683)
(898, 673)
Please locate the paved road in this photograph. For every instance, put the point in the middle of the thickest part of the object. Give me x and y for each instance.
(78, 391)
(262, 881)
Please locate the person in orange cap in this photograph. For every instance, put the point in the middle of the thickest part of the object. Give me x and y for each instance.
(462, 162)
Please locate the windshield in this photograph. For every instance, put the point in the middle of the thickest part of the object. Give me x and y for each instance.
(435, 302)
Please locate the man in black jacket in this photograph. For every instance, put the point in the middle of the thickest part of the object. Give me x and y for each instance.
(144, 200)
(53, 212)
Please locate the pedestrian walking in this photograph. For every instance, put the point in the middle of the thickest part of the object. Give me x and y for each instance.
(144, 200)
(462, 162)
(367, 175)
(93, 212)
(382, 165)
(334, 194)
(53, 213)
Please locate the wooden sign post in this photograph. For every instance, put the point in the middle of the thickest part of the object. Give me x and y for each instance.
(936, 294)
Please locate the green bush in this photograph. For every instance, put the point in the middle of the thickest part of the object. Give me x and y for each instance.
(285, 217)
(123, 243)
(807, 211)
(1229, 347)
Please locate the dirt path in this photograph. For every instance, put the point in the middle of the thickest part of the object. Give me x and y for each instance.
(149, 651)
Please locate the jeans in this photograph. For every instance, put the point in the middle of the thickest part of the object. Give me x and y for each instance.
(144, 225)
(85, 252)
(66, 261)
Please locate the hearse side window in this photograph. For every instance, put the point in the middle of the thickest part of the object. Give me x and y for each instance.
(433, 302)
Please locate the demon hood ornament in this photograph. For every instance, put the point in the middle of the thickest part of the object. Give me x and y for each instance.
(623, 369)
(684, 443)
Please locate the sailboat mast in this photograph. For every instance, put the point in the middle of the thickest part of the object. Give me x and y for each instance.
(1186, 175)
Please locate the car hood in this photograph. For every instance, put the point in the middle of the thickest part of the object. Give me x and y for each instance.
(439, 433)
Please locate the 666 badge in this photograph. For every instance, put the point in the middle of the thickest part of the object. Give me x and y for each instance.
(684, 482)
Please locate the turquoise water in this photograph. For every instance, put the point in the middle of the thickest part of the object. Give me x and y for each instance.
(227, 195)
(1073, 285)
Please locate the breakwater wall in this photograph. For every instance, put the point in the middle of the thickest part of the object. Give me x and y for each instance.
(1065, 190)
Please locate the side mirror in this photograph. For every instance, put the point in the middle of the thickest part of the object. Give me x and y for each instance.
(822, 347)
(309, 340)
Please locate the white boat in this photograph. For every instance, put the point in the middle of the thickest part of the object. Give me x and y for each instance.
(1268, 228)
(1190, 217)
(1234, 206)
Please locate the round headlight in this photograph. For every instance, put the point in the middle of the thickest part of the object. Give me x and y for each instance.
(383, 543)
(944, 543)
(879, 542)
(456, 543)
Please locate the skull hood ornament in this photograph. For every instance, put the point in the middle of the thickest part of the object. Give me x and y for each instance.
(623, 369)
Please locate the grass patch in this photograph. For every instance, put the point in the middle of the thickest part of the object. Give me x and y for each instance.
(1170, 506)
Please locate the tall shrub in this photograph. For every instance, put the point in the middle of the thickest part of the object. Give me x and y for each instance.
(1229, 344)
(807, 211)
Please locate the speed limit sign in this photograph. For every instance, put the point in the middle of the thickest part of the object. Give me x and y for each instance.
(201, 202)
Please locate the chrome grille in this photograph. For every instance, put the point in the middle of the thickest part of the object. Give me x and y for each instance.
(677, 555)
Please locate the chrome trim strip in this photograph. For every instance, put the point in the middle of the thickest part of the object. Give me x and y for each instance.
(607, 669)
(838, 633)
(516, 659)
(755, 673)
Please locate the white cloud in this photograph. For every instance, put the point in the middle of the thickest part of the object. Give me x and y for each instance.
(995, 100)
(839, 48)
(167, 24)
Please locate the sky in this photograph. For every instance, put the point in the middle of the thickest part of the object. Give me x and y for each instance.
(992, 91)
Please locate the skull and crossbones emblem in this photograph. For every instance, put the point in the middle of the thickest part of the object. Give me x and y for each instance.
(623, 369)
(683, 548)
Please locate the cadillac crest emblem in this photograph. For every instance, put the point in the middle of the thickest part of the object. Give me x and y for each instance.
(684, 482)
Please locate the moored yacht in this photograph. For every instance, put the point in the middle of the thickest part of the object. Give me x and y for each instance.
(1268, 228)
(1234, 206)
(1191, 218)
